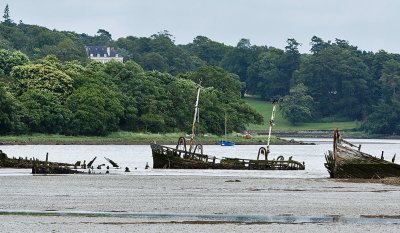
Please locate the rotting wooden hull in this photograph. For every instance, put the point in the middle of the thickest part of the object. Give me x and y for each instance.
(37, 166)
(344, 161)
(42, 169)
(171, 158)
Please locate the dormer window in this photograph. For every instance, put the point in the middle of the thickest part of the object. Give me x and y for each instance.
(102, 53)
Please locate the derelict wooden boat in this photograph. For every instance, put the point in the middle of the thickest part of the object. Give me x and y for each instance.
(347, 161)
(190, 155)
(177, 158)
(37, 166)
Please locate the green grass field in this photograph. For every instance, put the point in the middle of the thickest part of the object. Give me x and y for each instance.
(265, 109)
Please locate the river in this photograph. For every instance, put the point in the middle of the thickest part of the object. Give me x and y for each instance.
(136, 156)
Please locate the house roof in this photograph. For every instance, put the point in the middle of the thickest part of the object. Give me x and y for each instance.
(100, 51)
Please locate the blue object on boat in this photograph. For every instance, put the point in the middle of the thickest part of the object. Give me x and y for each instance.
(226, 143)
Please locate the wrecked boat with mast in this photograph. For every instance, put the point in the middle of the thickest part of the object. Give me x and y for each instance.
(346, 160)
(188, 154)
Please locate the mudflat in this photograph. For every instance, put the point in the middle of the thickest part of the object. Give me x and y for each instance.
(143, 203)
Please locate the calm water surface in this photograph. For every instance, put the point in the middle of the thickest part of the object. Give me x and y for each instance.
(136, 156)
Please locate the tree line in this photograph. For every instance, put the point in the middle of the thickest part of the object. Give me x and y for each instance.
(49, 96)
(335, 81)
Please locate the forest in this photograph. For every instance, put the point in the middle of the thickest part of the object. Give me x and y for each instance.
(49, 85)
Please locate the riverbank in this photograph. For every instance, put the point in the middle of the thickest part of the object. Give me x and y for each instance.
(325, 134)
(257, 137)
(140, 203)
(127, 138)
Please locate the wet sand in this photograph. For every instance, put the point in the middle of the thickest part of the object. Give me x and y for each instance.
(132, 203)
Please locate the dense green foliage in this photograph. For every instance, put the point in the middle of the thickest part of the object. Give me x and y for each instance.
(49, 85)
(48, 96)
(297, 106)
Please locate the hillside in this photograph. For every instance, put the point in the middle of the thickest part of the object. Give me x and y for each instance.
(343, 81)
(265, 109)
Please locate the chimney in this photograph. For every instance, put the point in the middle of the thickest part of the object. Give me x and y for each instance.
(109, 51)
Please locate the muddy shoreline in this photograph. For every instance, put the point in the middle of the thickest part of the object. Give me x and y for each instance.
(140, 203)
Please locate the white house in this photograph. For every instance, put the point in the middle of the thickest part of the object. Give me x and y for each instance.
(102, 54)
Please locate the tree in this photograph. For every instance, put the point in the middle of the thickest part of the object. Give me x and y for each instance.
(266, 77)
(384, 119)
(152, 122)
(182, 93)
(103, 38)
(297, 106)
(42, 77)
(238, 59)
(317, 45)
(390, 78)
(290, 61)
(6, 15)
(96, 110)
(153, 99)
(207, 50)
(219, 79)
(65, 50)
(5, 44)
(105, 34)
(338, 80)
(153, 61)
(43, 112)
(141, 93)
(9, 117)
(221, 94)
(9, 59)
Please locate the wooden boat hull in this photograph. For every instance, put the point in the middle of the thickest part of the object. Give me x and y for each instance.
(347, 161)
(171, 158)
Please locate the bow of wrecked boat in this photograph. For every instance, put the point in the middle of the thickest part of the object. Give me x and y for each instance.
(346, 160)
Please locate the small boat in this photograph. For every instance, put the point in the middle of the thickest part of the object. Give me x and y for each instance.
(189, 155)
(347, 161)
(225, 142)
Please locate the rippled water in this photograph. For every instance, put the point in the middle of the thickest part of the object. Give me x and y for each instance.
(136, 156)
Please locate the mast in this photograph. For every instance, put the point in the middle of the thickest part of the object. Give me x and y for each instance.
(271, 123)
(196, 116)
(225, 126)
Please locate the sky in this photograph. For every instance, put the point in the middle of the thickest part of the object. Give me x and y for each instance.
(370, 25)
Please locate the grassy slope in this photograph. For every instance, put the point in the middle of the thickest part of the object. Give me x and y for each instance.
(265, 108)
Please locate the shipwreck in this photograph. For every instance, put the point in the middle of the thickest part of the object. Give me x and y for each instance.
(189, 155)
(347, 161)
(37, 166)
